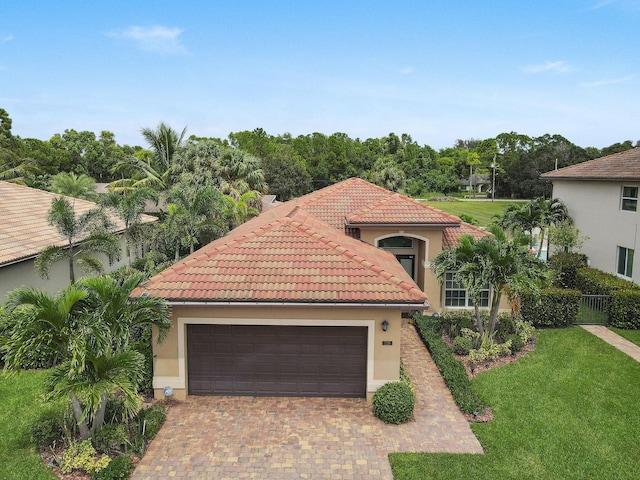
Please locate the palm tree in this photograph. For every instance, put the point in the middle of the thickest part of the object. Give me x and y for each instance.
(129, 206)
(90, 325)
(84, 235)
(238, 211)
(552, 213)
(156, 172)
(72, 185)
(503, 264)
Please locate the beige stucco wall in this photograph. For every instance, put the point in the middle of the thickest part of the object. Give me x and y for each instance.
(595, 209)
(383, 365)
(23, 273)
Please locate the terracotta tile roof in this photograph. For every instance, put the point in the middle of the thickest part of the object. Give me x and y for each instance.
(24, 231)
(451, 235)
(400, 210)
(617, 167)
(287, 255)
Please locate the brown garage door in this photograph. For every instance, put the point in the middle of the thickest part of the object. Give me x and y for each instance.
(277, 360)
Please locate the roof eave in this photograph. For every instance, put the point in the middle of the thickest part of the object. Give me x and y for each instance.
(594, 179)
(403, 225)
(404, 306)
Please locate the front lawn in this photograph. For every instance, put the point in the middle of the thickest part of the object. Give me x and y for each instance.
(568, 410)
(19, 408)
(631, 335)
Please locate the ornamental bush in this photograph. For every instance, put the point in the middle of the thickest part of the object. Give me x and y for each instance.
(82, 456)
(566, 265)
(47, 430)
(119, 469)
(393, 403)
(462, 345)
(553, 307)
(591, 281)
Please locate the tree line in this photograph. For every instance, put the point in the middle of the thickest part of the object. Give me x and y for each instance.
(296, 165)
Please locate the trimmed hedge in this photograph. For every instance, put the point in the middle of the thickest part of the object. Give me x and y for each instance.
(566, 265)
(553, 307)
(591, 281)
(624, 309)
(452, 370)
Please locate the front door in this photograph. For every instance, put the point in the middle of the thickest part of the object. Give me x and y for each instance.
(408, 262)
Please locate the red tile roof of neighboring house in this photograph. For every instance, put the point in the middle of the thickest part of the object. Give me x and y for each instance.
(287, 255)
(24, 231)
(617, 167)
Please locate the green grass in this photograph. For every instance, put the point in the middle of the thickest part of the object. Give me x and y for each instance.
(482, 210)
(569, 410)
(19, 408)
(631, 335)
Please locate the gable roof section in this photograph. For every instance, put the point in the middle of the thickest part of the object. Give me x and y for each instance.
(24, 231)
(397, 209)
(617, 167)
(451, 235)
(287, 255)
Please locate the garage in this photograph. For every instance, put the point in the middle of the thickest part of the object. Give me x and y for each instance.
(277, 360)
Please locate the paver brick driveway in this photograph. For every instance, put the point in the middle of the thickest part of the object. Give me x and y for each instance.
(314, 438)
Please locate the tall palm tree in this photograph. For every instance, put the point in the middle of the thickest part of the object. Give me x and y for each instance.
(84, 236)
(552, 213)
(72, 185)
(237, 211)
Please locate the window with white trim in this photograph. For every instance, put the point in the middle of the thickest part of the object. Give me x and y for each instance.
(625, 262)
(455, 295)
(629, 200)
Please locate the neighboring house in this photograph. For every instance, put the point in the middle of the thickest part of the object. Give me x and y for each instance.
(477, 183)
(601, 196)
(303, 300)
(24, 233)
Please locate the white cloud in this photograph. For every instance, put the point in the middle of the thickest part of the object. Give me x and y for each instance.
(6, 38)
(156, 39)
(407, 71)
(557, 67)
(602, 83)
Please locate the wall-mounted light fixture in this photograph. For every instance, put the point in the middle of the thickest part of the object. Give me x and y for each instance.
(167, 391)
(385, 325)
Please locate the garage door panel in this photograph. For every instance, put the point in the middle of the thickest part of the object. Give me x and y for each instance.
(277, 360)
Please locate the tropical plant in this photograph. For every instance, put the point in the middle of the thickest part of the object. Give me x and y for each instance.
(129, 206)
(237, 211)
(502, 263)
(84, 235)
(90, 324)
(72, 185)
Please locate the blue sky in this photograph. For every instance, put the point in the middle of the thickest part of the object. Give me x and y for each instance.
(435, 70)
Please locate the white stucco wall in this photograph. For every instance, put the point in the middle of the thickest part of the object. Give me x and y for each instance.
(595, 209)
(23, 273)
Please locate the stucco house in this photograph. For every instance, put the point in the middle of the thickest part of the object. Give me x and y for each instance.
(601, 196)
(24, 233)
(307, 298)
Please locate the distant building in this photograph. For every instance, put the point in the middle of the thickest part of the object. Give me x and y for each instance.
(601, 196)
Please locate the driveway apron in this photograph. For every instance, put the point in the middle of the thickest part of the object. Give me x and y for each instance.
(314, 438)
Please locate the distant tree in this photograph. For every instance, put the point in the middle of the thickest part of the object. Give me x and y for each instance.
(84, 236)
(616, 148)
(566, 236)
(285, 173)
(387, 174)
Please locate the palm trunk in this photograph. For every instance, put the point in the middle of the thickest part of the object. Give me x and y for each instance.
(77, 414)
(72, 276)
(98, 419)
(479, 324)
(493, 315)
(542, 234)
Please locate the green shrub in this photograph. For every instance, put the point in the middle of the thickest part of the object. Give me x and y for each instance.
(505, 327)
(151, 419)
(516, 343)
(523, 329)
(393, 403)
(452, 370)
(119, 469)
(462, 345)
(82, 456)
(624, 309)
(474, 337)
(591, 281)
(112, 438)
(566, 265)
(46, 430)
(453, 322)
(554, 307)
(114, 411)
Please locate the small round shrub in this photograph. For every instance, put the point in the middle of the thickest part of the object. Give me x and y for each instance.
(462, 345)
(46, 430)
(516, 343)
(118, 469)
(393, 403)
(114, 411)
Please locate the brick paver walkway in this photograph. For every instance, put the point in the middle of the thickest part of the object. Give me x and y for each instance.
(614, 339)
(314, 438)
